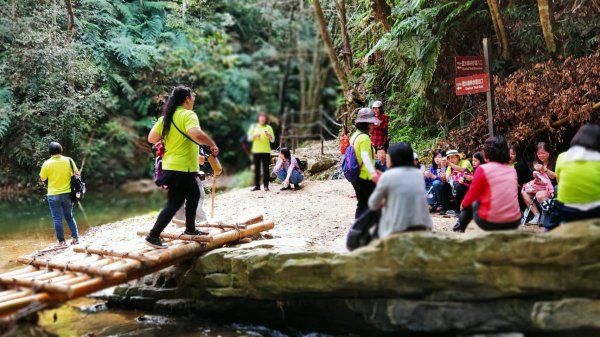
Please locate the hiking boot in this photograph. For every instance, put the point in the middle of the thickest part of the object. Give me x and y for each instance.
(154, 242)
(75, 241)
(255, 189)
(195, 232)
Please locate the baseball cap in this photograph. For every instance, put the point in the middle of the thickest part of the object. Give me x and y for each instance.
(377, 104)
(415, 156)
(366, 115)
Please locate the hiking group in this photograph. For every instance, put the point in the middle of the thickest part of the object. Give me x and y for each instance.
(394, 191)
(496, 188)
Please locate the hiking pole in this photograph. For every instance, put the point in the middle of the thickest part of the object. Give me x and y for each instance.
(212, 197)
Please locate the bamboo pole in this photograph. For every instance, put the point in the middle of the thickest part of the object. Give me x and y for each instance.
(18, 303)
(18, 271)
(196, 238)
(105, 252)
(240, 225)
(176, 254)
(18, 294)
(65, 266)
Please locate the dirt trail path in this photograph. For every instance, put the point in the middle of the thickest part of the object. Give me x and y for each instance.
(320, 212)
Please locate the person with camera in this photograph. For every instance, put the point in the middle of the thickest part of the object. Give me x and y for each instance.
(261, 135)
(58, 171)
(288, 170)
(180, 131)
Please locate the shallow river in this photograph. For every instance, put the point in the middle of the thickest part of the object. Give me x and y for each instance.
(26, 226)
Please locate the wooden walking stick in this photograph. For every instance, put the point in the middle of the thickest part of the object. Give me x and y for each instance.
(217, 170)
(212, 197)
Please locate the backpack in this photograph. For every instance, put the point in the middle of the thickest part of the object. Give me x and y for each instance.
(301, 164)
(159, 176)
(77, 185)
(350, 166)
(344, 143)
(360, 233)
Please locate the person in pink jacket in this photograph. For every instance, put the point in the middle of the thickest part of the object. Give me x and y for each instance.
(492, 198)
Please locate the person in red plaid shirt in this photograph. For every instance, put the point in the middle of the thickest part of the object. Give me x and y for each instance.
(379, 136)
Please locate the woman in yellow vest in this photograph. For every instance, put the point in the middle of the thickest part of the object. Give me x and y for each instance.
(261, 135)
(179, 129)
(58, 171)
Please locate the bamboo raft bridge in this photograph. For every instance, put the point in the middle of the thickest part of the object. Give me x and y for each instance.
(45, 283)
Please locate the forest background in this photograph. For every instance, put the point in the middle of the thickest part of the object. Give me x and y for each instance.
(93, 74)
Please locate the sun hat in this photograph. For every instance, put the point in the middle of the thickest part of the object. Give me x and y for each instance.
(366, 115)
(452, 153)
(377, 104)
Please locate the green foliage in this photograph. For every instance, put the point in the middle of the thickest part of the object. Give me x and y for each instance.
(107, 84)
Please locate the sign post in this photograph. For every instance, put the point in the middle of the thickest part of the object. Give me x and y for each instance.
(490, 93)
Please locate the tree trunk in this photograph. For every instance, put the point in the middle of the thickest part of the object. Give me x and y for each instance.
(548, 26)
(301, 68)
(70, 18)
(382, 11)
(347, 51)
(286, 74)
(339, 73)
(499, 28)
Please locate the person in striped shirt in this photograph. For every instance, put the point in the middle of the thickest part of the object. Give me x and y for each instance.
(492, 198)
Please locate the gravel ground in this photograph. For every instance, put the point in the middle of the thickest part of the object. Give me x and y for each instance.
(320, 212)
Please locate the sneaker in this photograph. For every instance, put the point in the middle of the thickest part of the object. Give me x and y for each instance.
(285, 188)
(75, 241)
(457, 228)
(255, 189)
(535, 220)
(266, 189)
(450, 212)
(296, 186)
(154, 242)
(61, 244)
(195, 232)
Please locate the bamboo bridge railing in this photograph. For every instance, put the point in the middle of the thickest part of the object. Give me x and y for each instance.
(49, 282)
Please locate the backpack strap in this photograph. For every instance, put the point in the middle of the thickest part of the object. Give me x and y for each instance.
(183, 133)
(71, 164)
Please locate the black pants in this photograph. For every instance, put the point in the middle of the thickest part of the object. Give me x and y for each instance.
(461, 191)
(468, 213)
(445, 196)
(363, 188)
(182, 187)
(261, 159)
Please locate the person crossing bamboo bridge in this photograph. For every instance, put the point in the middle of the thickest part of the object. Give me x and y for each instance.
(179, 129)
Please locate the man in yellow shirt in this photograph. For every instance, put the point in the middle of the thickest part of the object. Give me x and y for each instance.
(261, 135)
(58, 171)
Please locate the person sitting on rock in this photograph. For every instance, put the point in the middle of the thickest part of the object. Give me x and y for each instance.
(288, 170)
(380, 161)
(433, 181)
(492, 197)
(454, 181)
(399, 194)
(578, 173)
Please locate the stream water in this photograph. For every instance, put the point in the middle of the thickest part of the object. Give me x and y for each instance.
(26, 226)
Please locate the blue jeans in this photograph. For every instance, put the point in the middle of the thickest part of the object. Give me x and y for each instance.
(62, 206)
(295, 178)
(433, 197)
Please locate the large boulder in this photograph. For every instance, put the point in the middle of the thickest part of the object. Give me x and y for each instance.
(418, 281)
(320, 164)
